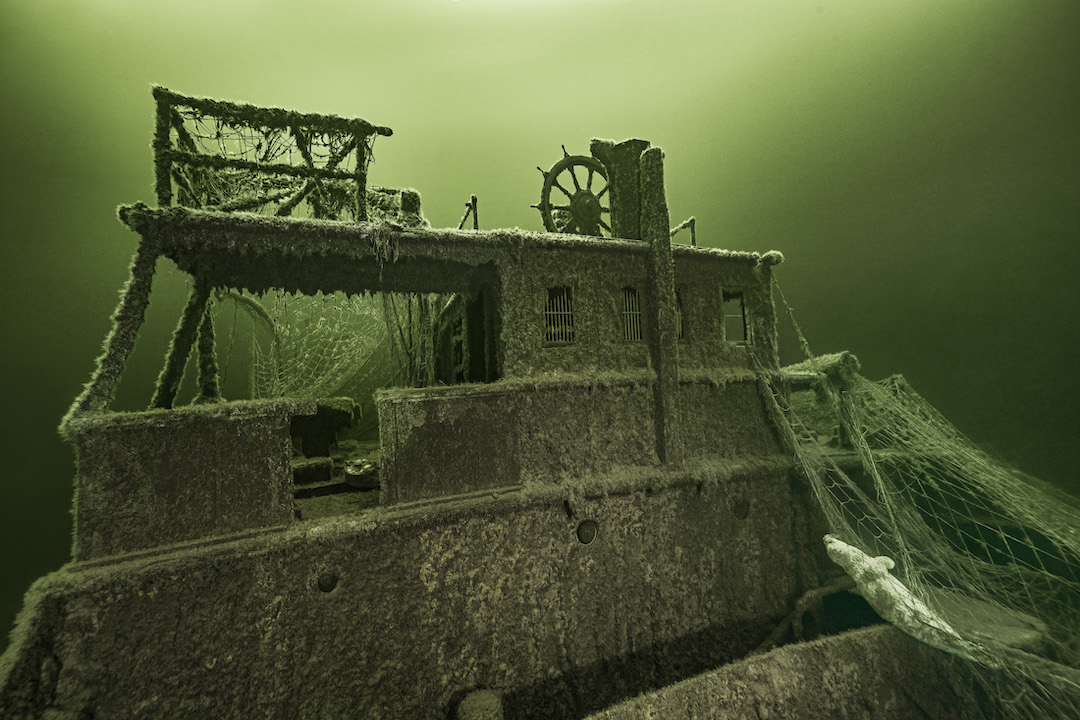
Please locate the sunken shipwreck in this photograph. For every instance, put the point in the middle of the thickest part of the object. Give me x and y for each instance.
(499, 473)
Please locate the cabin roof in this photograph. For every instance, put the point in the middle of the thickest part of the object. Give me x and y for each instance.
(258, 252)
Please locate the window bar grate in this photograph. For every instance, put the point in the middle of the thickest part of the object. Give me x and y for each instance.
(559, 316)
(631, 314)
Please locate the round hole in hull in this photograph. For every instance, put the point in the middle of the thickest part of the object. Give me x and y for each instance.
(587, 531)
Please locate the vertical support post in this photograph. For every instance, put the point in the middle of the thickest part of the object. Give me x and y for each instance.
(361, 174)
(660, 304)
(492, 347)
(209, 385)
(765, 335)
(162, 146)
(427, 337)
(126, 321)
(624, 194)
(466, 337)
(168, 382)
(470, 209)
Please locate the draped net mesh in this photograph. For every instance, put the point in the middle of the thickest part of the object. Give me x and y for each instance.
(330, 345)
(239, 188)
(992, 551)
(229, 156)
(310, 346)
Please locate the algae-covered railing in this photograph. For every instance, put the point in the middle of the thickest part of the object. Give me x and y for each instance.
(232, 156)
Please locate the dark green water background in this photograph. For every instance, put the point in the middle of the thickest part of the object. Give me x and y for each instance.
(917, 162)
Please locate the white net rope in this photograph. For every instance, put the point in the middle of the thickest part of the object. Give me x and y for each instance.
(334, 345)
(988, 550)
(314, 346)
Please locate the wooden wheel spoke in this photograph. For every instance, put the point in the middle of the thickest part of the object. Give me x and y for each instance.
(567, 193)
(573, 176)
(604, 225)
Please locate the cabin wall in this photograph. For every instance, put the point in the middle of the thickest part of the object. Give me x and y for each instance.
(590, 406)
(701, 281)
(400, 614)
(447, 441)
(441, 442)
(588, 427)
(724, 420)
(596, 277)
(159, 477)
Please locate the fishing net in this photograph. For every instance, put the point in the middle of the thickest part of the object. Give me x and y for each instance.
(231, 156)
(331, 345)
(411, 321)
(310, 346)
(243, 188)
(321, 346)
(990, 551)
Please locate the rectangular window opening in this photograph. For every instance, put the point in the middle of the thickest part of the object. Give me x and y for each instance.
(631, 314)
(559, 316)
(734, 310)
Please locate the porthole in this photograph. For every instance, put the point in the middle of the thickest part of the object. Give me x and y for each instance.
(587, 531)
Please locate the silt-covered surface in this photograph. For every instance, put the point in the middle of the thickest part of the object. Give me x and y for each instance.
(876, 672)
(400, 612)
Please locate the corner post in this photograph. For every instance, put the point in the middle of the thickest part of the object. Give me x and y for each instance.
(663, 341)
(209, 381)
(168, 382)
(127, 318)
(361, 174)
(624, 194)
(162, 161)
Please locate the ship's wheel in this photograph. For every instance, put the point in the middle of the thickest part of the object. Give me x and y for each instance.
(572, 199)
